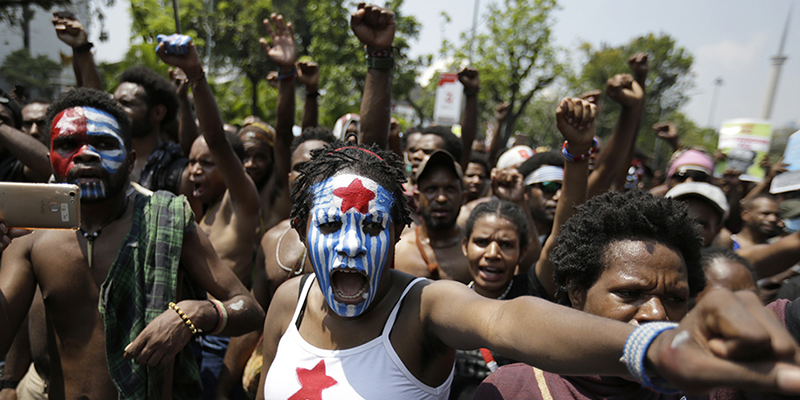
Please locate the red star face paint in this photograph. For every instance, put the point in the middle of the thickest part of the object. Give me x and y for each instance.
(349, 238)
(86, 148)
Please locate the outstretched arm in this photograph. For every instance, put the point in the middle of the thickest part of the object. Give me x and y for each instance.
(612, 161)
(71, 32)
(375, 28)
(308, 75)
(500, 114)
(470, 79)
(187, 128)
(726, 340)
(575, 121)
(179, 51)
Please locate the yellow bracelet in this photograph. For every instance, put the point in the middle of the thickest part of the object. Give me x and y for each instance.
(185, 319)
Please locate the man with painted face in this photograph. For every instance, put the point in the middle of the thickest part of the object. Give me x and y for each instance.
(129, 346)
(433, 248)
(359, 329)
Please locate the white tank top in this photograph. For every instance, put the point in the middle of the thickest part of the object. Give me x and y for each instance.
(372, 370)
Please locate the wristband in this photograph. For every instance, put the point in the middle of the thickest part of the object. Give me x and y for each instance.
(571, 158)
(193, 82)
(9, 383)
(185, 319)
(380, 62)
(84, 48)
(289, 76)
(472, 93)
(222, 317)
(313, 94)
(384, 53)
(635, 353)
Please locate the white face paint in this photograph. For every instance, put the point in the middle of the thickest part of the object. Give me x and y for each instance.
(348, 238)
(238, 305)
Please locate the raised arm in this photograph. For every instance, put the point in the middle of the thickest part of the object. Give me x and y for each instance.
(308, 75)
(575, 121)
(71, 32)
(763, 186)
(507, 184)
(500, 115)
(187, 128)
(614, 161)
(375, 28)
(470, 79)
(282, 52)
(179, 51)
(28, 150)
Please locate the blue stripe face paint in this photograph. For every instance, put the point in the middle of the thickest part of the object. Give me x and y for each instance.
(349, 238)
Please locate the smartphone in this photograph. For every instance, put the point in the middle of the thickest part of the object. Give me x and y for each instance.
(40, 205)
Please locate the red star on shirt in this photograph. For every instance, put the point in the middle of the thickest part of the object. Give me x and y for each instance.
(314, 381)
(355, 196)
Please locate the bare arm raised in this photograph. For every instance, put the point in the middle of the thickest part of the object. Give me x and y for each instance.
(308, 75)
(28, 150)
(71, 32)
(470, 79)
(179, 51)
(375, 28)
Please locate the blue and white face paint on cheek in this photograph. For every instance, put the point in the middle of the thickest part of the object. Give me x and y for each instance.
(349, 239)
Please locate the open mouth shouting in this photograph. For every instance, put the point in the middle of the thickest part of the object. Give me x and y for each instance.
(350, 286)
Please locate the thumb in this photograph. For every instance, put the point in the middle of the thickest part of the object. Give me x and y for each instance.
(15, 232)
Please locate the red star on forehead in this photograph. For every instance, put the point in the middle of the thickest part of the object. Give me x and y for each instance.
(355, 196)
(314, 381)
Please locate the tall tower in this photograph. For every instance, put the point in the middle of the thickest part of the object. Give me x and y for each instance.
(775, 73)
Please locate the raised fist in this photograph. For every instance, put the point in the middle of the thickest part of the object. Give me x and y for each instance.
(374, 26)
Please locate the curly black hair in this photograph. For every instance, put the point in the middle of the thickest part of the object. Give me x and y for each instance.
(157, 88)
(85, 97)
(579, 256)
(480, 159)
(506, 209)
(451, 142)
(382, 166)
(312, 133)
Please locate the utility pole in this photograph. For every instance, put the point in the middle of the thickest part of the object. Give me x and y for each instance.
(775, 73)
(474, 27)
(717, 84)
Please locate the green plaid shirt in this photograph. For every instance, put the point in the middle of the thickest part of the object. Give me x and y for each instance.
(140, 284)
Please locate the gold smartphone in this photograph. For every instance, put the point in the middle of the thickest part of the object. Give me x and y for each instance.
(40, 205)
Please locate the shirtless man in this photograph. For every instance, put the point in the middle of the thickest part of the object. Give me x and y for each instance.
(759, 223)
(23, 157)
(433, 248)
(230, 215)
(135, 331)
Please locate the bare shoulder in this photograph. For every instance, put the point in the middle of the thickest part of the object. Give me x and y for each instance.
(273, 235)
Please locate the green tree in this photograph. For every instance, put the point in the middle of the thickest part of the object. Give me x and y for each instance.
(669, 79)
(234, 53)
(516, 58)
(20, 68)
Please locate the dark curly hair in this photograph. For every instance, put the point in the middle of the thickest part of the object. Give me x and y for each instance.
(505, 209)
(312, 133)
(382, 166)
(451, 142)
(157, 88)
(579, 257)
(480, 159)
(85, 97)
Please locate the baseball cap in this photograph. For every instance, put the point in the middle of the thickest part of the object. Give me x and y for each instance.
(439, 157)
(514, 156)
(714, 195)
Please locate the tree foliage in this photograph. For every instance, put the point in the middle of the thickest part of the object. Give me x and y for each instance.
(668, 81)
(516, 58)
(234, 55)
(36, 73)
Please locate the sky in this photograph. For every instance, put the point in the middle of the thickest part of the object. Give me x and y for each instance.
(730, 39)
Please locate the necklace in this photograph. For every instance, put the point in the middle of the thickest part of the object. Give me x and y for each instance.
(90, 237)
(502, 296)
(278, 256)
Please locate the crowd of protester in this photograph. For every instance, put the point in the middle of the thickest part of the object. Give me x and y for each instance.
(363, 261)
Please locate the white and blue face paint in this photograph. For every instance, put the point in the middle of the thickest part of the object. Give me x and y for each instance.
(349, 238)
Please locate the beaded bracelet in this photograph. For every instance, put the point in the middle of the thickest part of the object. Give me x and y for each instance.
(185, 319)
(635, 353)
(288, 76)
(222, 316)
(571, 158)
(383, 53)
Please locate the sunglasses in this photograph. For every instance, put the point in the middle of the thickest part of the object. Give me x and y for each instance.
(550, 187)
(697, 176)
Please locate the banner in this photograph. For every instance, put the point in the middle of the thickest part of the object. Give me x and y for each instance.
(744, 142)
(447, 109)
(789, 180)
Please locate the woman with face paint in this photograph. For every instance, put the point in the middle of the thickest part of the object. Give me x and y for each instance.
(357, 328)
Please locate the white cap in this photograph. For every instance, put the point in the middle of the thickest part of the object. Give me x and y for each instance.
(514, 156)
(713, 194)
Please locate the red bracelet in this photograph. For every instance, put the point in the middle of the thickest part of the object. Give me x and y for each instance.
(571, 158)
